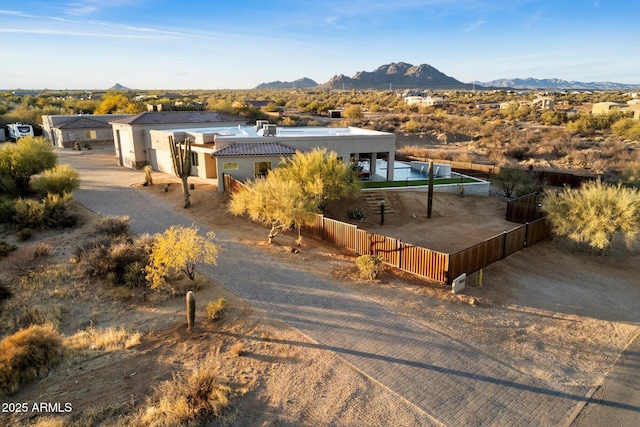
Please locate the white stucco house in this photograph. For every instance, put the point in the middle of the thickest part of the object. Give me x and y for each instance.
(224, 144)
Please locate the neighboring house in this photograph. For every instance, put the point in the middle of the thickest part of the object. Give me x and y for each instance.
(633, 107)
(132, 138)
(65, 130)
(604, 107)
(426, 101)
(543, 103)
(249, 151)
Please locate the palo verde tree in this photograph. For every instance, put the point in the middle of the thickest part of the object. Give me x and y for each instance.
(179, 249)
(181, 156)
(297, 189)
(322, 175)
(274, 202)
(594, 213)
(20, 161)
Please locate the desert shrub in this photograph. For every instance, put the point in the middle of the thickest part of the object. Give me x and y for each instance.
(41, 250)
(106, 256)
(30, 213)
(26, 355)
(358, 214)
(113, 226)
(24, 234)
(369, 266)
(52, 211)
(185, 398)
(216, 308)
(594, 213)
(135, 274)
(6, 247)
(412, 126)
(7, 210)
(58, 180)
(627, 128)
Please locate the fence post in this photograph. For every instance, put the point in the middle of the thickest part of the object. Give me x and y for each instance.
(504, 244)
(399, 248)
(526, 234)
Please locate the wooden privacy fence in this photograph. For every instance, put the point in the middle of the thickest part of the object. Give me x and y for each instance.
(427, 263)
(496, 248)
(523, 209)
(413, 259)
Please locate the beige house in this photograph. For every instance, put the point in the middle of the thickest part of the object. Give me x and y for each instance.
(604, 107)
(426, 101)
(132, 138)
(66, 130)
(544, 103)
(249, 151)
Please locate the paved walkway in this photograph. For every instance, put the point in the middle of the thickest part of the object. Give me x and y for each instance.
(454, 383)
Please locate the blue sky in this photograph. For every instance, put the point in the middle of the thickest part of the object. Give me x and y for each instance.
(156, 44)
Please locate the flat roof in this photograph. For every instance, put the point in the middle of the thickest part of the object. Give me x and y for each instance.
(236, 132)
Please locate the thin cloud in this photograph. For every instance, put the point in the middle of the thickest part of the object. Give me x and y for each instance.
(88, 7)
(52, 32)
(533, 19)
(474, 26)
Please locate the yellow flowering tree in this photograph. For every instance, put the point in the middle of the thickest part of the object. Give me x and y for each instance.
(179, 249)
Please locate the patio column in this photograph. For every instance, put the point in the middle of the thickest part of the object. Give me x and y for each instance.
(391, 157)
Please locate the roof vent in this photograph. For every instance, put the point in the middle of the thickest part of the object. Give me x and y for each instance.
(269, 130)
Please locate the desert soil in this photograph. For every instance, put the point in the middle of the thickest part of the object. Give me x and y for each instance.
(554, 311)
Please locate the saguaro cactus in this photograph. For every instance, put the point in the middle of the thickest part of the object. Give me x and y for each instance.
(191, 309)
(181, 156)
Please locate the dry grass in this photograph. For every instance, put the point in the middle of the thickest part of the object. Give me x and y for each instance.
(183, 399)
(109, 339)
(26, 355)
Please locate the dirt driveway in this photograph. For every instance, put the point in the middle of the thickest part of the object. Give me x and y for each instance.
(555, 311)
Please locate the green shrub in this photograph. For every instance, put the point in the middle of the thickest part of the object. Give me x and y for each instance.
(114, 226)
(135, 274)
(52, 211)
(59, 180)
(30, 213)
(26, 355)
(24, 234)
(59, 210)
(7, 210)
(358, 213)
(6, 247)
(215, 308)
(369, 266)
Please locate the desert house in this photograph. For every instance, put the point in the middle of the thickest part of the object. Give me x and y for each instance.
(245, 152)
(66, 130)
(132, 139)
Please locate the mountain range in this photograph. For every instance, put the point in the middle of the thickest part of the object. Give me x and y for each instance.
(401, 75)
(531, 83)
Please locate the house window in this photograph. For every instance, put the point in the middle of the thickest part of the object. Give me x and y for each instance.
(261, 168)
(90, 134)
(230, 166)
(194, 159)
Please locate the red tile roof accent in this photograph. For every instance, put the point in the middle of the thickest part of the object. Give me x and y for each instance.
(254, 149)
(179, 117)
